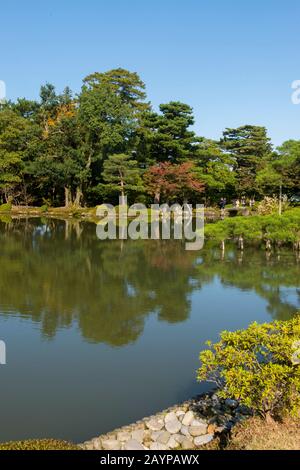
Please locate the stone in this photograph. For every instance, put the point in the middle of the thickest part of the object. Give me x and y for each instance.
(97, 443)
(170, 417)
(123, 436)
(163, 437)
(138, 435)
(198, 422)
(111, 444)
(173, 443)
(244, 410)
(197, 430)
(179, 438)
(180, 414)
(155, 424)
(211, 428)
(220, 429)
(133, 445)
(173, 427)
(185, 431)
(202, 440)
(89, 446)
(231, 403)
(154, 435)
(158, 446)
(188, 418)
(187, 444)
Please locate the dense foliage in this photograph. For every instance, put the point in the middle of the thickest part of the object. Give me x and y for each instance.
(271, 229)
(258, 366)
(85, 149)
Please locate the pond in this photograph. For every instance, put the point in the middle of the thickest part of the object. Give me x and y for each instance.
(102, 333)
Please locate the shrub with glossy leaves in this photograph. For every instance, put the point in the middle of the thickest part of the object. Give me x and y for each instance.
(258, 366)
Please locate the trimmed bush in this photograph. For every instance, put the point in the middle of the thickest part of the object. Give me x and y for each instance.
(271, 229)
(259, 367)
(44, 208)
(38, 444)
(6, 207)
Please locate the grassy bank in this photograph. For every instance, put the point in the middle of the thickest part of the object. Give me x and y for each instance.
(258, 434)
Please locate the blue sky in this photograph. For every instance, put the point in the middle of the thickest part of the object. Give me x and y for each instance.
(233, 61)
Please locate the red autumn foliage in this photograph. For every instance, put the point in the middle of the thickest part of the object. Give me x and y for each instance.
(169, 180)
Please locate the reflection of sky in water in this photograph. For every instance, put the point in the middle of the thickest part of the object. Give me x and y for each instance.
(100, 334)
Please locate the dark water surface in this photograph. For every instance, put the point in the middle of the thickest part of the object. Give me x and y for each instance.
(100, 334)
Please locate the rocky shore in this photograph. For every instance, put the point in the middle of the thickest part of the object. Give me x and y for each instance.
(190, 425)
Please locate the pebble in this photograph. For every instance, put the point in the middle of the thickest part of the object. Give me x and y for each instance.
(185, 431)
(97, 443)
(155, 424)
(170, 417)
(111, 444)
(158, 446)
(202, 440)
(133, 445)
(198, 430)
(123, 436)
(163, 437)
(138, 435)
(173, 443)
(188, 418)
(173, 427)
(231, 403)
(187, 444)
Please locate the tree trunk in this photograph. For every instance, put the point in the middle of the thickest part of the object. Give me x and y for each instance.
(78, 196)
(122, 201)
(68, 198)
(241, 243)
(157, 197)
(268, 245)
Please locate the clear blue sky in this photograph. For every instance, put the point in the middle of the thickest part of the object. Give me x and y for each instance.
(233, 61)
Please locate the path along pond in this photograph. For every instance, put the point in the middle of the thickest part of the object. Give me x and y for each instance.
(100, 334)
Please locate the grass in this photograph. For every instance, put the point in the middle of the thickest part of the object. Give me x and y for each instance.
(257, 434)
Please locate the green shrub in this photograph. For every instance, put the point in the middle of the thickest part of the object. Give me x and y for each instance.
(44, 208)
(38, 444)
(259, 366)
(273, 228)
(6, 207)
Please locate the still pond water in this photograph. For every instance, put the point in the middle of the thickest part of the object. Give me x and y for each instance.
(100, 334)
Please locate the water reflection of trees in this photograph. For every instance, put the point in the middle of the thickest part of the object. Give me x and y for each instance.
(58, 272)
(268, 275)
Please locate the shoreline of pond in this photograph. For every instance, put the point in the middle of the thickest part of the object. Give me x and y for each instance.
(186, 426)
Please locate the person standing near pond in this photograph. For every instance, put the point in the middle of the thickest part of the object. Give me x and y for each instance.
(222, 203)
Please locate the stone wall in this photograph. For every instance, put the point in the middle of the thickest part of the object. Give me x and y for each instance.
(187, 426)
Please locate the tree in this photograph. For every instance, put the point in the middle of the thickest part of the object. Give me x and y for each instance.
(250, 147)
(122, 174)
(215, 168)
(168, 134)
(14, 131)
(59, 168)
(125, 84)
(288, 164)
(172, 181)
(107, 118)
